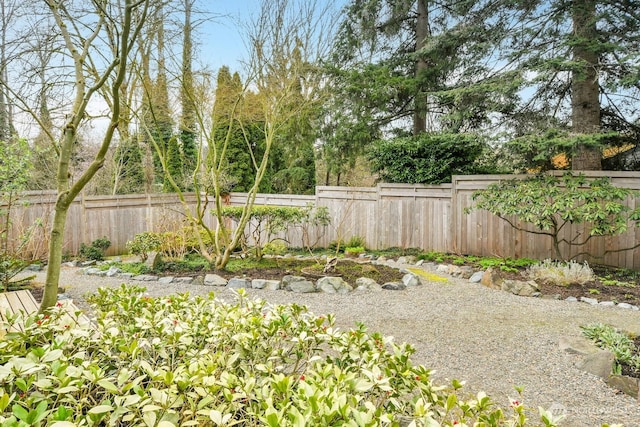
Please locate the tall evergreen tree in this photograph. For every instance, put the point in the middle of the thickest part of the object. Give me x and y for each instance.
(129, 171)
(188, 125)
(583, 69)
(419, 60)
(236, 135)
(174, 166)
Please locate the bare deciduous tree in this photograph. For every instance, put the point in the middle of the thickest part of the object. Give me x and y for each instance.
(97, 62)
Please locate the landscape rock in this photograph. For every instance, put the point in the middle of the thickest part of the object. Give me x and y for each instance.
(239, 283)
(409, 259)
(214, 280)
(491, 279)
(625, 384)
(72, 264)
(599, 363)
(153, 260)
(145, 278)
(186, 279)
(333, 285)
(88, 263)
(166, 280)
(476, 277)
(466, 272)
(411, 279)
(518, 287)
(270, 285)
(112, 271)
(454, 270)
(577, 345)
(298, 284)
(367, 284)
(92, 271)
(607, 303)
(591, 301)
(394, 286)
(126, 275)
(442, 268)
(625, 305)
(419, 262)
(34, 267)
(198, 281)
(571, 299)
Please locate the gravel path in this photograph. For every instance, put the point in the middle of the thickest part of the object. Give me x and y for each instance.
(490, 339)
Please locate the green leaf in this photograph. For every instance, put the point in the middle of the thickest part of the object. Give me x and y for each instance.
(109, 386)
(52, 355)
(20, 413)
(100, 409)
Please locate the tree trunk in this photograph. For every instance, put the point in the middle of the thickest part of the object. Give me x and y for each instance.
(420, 103)
(585, 89)
(56, 240)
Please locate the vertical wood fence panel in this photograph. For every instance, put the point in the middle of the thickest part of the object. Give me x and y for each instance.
(388, 215)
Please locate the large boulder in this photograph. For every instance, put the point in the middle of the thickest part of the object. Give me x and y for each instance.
(367, 284)
(627, 385)
(491, 279)
(411, 279)
(298, 284)
(239, 283)
(214, 280)
(599, 363)
(577, 345)
(333, 285)
(518, 287)
(271, 285)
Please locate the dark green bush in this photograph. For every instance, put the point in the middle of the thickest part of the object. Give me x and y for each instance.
(96, 250)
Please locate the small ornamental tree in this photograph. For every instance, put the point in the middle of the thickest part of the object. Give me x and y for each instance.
(551, 203)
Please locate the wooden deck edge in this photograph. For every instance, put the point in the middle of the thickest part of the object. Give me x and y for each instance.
(23, 301)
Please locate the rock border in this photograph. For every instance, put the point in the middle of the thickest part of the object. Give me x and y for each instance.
(416, 273)
(599, 362)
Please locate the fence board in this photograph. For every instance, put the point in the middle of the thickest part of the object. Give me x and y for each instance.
(401, 215)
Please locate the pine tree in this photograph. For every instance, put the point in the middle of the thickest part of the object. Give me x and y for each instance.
(188, 126)
(128, 157)
(582, 66)
(174, 166)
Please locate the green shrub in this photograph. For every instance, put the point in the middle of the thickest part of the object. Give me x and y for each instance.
(144, 243)
(266, 221)
(356, 242)
(275, 247)
(96, 250)
(199, 361)
(551, 203)
(353, 250)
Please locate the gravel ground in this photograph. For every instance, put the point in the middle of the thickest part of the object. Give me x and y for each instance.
(491, 339)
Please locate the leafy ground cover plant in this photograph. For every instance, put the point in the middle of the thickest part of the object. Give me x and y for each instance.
(505, 264)
(198, 361)
(623, 346)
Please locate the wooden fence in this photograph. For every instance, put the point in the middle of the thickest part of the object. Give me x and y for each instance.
(388, 215)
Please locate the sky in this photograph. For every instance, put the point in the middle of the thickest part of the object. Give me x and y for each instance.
(220, 38)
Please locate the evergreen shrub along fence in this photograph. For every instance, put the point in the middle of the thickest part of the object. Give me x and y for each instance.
(430, 217)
